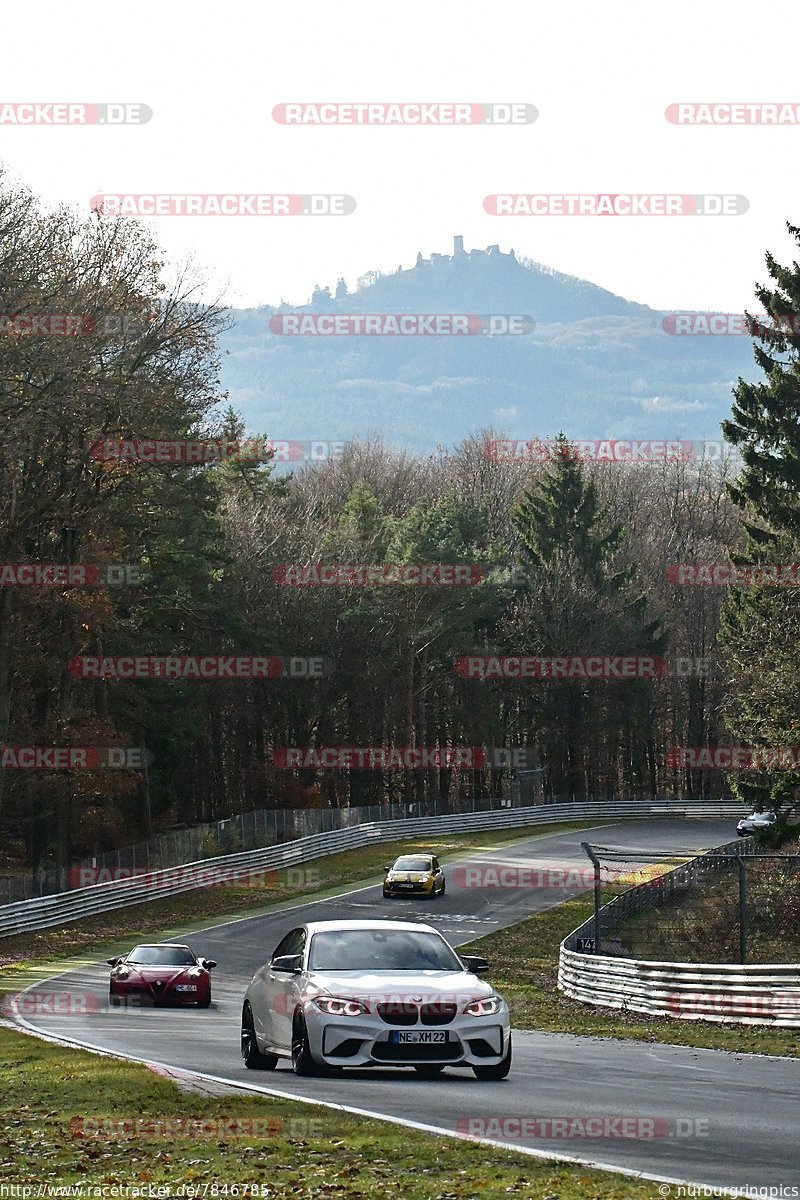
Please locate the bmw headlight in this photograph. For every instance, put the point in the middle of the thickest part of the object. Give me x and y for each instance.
(340, 1006)
(122, 972)
(483, 1008)
(424, 878)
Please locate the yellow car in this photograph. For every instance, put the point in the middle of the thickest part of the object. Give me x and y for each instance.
(414, 875)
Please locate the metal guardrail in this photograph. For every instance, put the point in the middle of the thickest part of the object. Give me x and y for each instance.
(757, 994)
(750, 995)
(47, 911)
(251, 830)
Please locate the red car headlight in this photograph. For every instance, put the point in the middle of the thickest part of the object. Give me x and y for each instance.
(339, 1006)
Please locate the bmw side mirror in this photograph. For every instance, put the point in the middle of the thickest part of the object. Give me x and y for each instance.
(208, 963)
(287, 962)
(385, 867)
(112, 962)
(475, 964)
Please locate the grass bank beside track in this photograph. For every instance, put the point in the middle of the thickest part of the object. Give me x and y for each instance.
(307, 1153)
(174, 917)
(524, 961)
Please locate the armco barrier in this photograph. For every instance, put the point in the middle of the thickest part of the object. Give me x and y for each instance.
(47, 911)
(743, 994)
(751, 995)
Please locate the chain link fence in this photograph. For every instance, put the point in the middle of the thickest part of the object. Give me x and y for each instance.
(245, 831)
(731, 905)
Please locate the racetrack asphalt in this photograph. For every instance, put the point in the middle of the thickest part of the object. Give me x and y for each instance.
(704, 1116)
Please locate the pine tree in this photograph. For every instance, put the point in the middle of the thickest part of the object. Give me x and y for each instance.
(580, 603)
(561, 526)
(759, 623)
(765, 422)
(561, 516)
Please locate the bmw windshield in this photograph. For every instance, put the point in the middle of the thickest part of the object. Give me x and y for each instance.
(381, 950)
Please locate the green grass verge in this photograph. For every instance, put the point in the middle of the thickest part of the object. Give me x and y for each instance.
(524, 960)
(309, 1152)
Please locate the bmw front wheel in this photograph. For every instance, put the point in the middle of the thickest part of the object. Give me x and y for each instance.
(303, 1061)
(499, 1070)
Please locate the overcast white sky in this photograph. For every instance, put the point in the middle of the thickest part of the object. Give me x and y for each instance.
(600, 75)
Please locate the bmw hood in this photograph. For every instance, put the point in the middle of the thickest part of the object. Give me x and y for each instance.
(395, 985)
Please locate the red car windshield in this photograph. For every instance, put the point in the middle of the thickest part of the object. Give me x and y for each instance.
(161, 956)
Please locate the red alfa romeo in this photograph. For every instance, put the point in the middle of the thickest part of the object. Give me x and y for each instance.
(163, 974)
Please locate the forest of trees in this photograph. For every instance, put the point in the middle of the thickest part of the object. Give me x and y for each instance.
(592, 545)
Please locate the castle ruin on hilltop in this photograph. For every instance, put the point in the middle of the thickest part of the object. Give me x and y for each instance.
(461, 255)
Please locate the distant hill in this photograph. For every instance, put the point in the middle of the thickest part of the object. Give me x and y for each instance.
(596, 365)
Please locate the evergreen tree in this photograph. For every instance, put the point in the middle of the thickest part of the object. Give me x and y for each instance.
(759, 623)
(765, 422)
(579, 603)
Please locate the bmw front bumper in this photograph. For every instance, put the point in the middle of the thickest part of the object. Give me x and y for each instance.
(367, 1041)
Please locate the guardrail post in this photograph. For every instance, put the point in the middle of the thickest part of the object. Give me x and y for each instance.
(587, 849)
(742, 911)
